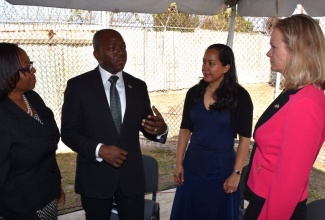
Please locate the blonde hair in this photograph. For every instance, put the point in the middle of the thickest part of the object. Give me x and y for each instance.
(306, 45)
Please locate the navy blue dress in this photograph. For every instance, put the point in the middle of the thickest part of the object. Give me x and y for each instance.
(208, 162)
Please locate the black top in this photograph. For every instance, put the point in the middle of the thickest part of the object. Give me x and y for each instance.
(29, 174)
(241, 116)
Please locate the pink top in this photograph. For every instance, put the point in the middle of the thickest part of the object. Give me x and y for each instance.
(287, 146)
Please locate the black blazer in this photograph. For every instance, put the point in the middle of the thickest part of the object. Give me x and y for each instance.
(29, 174)
(87, 121)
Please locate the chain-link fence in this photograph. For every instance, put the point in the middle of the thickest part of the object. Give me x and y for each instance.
(164, 50)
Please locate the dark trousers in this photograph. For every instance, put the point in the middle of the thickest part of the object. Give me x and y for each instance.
(256, 204)
(129, 208)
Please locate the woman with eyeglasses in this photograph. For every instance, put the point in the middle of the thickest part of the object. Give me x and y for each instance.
(30, 179)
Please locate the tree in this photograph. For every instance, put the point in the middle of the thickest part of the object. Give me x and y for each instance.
(80, 16)
(173, 20)
(221, 22)
(269, 24)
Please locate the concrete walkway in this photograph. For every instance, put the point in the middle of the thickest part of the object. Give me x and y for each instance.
(165, 199)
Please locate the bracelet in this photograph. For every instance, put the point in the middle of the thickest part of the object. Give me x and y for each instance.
(238, 172)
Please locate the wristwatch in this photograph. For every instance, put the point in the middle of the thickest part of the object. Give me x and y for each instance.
(238, 172)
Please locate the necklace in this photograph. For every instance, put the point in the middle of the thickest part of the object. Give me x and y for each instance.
(29, 111)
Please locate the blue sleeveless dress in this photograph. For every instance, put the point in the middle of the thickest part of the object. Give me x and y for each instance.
(208, 162)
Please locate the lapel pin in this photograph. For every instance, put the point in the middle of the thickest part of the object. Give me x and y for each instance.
(130, 86)
(276, 106)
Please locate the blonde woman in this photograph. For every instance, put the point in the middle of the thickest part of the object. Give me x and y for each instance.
(290, 133)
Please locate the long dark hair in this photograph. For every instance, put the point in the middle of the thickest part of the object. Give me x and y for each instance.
(9, 64)
(226, 93)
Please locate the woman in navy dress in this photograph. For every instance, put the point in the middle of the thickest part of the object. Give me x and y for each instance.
(215, 111)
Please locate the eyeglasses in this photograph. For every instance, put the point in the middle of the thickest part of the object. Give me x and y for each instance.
(27, 69)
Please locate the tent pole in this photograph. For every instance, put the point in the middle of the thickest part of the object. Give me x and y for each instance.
(231, 27)
(104, 19)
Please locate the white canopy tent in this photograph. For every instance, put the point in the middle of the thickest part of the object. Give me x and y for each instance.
(253, 8)
(203, 7)
(279, 8)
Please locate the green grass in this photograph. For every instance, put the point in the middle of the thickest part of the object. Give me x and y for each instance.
(166, 160)
(67, 164)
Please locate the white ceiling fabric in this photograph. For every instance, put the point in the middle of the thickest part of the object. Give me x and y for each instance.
(257, 8)
(202, 7)
(279, 8)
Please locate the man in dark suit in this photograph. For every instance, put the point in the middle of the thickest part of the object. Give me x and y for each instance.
(109, 161)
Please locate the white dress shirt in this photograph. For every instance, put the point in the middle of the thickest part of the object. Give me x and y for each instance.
(105, 75)
(121, 91)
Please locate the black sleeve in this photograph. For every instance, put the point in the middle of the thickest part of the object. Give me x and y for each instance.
(188, 103)
(72, 123)
(12, 203)
(244, 114)
(148, 111)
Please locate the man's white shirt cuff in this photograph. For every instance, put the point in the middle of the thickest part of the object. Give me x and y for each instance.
(99, 159)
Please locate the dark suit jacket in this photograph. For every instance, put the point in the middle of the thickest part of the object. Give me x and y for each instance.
(87, 121)
(29, 174)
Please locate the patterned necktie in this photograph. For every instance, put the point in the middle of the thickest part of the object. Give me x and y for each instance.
(115, 103)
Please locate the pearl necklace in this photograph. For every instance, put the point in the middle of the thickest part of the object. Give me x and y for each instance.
(29, 111)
